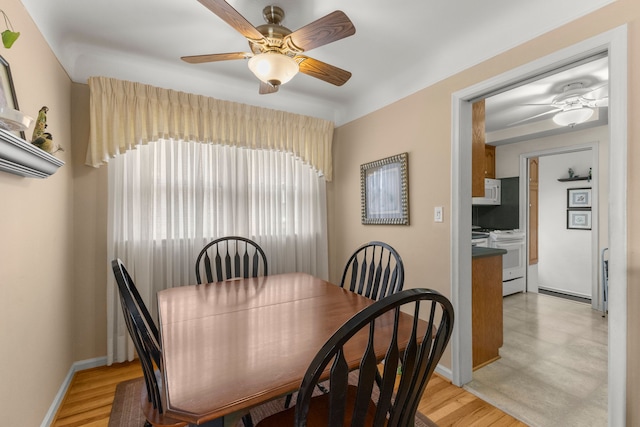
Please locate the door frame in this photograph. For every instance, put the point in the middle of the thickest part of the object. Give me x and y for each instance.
(614, 42)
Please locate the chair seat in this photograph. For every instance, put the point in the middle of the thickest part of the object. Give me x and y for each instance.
(319, 412)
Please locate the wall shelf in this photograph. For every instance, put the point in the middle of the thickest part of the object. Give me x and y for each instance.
(20, 157)
(575, 178)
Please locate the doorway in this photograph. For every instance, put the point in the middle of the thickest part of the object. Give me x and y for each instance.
(614, 43)
(553, 362)
(567, 264)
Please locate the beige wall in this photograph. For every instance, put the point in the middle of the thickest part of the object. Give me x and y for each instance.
(90, 238)
(421, 125)
(36, 225)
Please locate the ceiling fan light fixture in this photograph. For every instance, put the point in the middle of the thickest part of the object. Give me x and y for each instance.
(273, 68)
(573, 116)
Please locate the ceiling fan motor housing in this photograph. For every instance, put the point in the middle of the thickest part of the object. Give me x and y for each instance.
(273, 32)
(273, 14)
(572, 95)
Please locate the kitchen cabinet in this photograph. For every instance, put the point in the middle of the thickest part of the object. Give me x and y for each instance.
(533, 211)
(486, 309)
(490, 161)
(483, 157)
(477, 149)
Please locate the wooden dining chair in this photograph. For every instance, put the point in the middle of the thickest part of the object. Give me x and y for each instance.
(349, 403)
(230, 257)
(375, 270)
(146, 339)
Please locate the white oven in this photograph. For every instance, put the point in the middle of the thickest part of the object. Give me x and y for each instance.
(514, 261)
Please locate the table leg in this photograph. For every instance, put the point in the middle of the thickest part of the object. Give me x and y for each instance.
(218, 422)
(231, 420)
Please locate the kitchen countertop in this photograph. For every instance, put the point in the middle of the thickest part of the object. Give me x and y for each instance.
(478, 251)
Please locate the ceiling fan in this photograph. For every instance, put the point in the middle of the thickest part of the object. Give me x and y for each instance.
(574, 105)
(276, 52)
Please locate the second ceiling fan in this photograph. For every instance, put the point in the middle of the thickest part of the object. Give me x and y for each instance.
(276, 52)
(574, 105)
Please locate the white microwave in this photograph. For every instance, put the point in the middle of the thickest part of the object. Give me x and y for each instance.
(491, 193)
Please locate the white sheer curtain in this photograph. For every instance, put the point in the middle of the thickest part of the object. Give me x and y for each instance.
(168, 198)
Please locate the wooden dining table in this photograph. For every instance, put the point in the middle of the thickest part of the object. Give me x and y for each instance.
(232, 345)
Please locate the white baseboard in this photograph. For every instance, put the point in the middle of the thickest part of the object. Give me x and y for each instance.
(75, 367)
(445, 372)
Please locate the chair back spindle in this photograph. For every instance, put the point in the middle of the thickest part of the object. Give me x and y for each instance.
(230, 257)
(375, 270)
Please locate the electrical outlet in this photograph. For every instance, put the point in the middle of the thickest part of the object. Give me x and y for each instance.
(437, 214)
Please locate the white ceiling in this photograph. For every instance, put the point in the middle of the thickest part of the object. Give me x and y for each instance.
(526, 110)
(396, 51)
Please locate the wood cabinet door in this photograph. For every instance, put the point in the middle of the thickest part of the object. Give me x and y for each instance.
(533, 211)
(477, 149)
(490, 161)
(486, 310)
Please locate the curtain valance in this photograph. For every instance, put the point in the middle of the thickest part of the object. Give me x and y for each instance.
(126, 114)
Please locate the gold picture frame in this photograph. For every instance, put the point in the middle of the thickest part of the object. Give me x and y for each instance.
(384, 191)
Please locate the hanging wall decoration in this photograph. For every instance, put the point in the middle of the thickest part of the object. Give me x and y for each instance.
(11, 119)
(579, 197)
(9, 36)
(579, 219)
(384, 191)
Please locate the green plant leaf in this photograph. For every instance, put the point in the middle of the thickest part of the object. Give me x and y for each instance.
(9, 37)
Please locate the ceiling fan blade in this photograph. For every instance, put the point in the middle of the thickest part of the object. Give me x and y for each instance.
(266, 88)
(595, 89)
(323, 71)
(232, 17)
(555, 110)
(332, 27)
(199, 59)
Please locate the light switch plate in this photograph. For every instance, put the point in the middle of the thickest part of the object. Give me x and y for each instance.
(437, 214)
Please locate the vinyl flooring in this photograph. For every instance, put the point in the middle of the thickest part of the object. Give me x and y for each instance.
(553, 366)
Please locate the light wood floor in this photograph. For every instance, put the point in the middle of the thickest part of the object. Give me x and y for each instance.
(88, 401)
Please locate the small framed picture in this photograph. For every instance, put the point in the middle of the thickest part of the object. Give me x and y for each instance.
(8, 98)
(384, 191)
(578, 197)
(579, 219)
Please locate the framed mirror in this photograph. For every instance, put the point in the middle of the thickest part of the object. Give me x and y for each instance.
(384, 191)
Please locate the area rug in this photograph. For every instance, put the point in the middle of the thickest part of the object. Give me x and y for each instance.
(126, 411)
